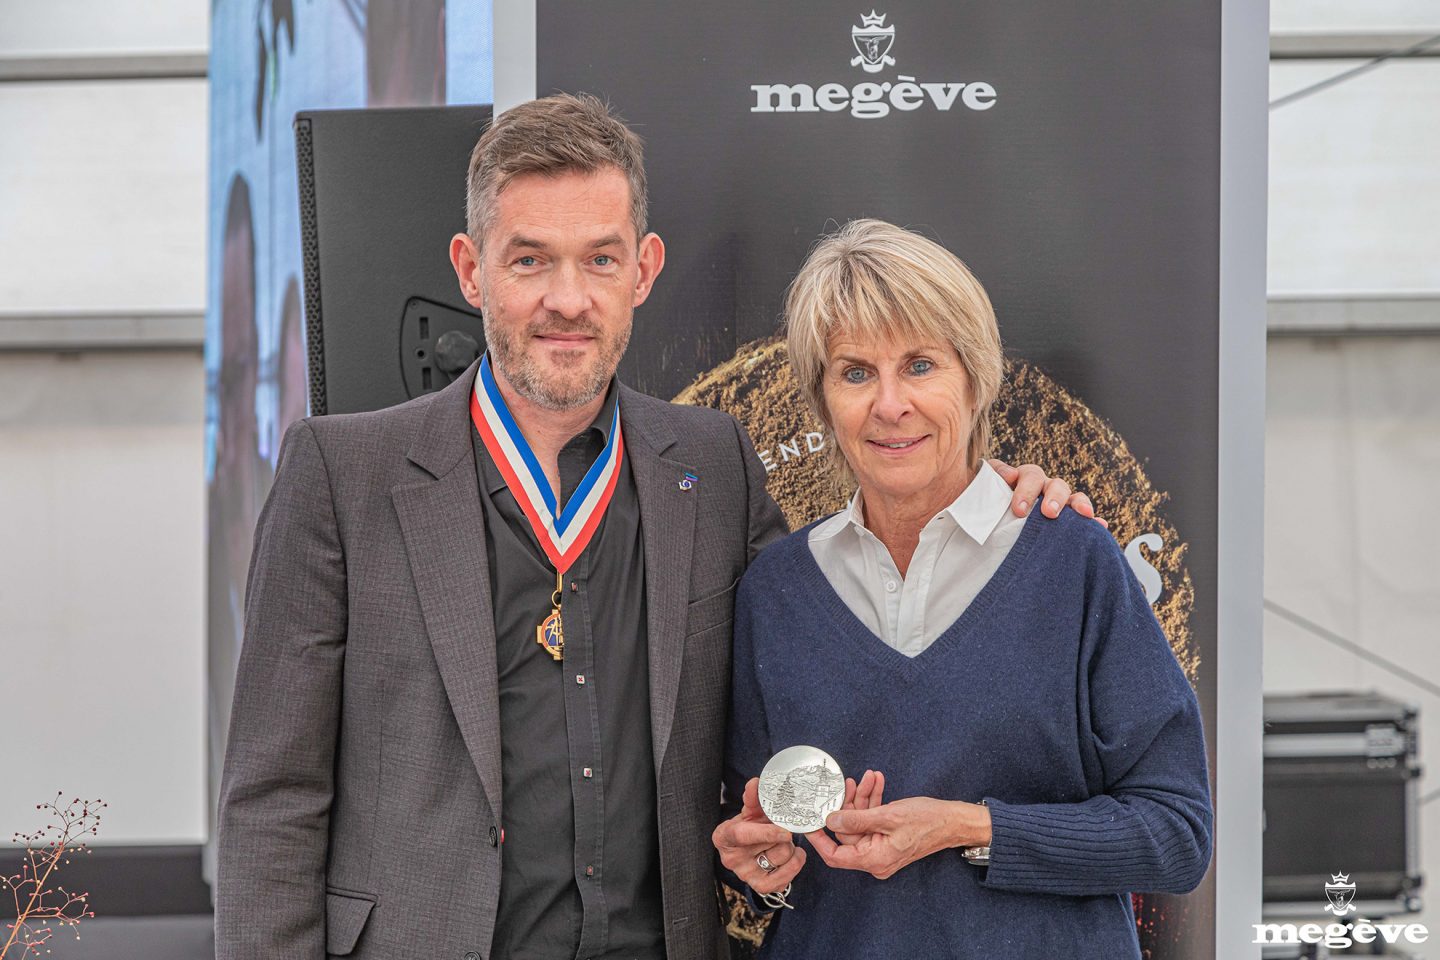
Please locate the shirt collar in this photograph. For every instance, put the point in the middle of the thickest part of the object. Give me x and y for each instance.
(607, 411)
(981, 506)
(978, 510)
(851, 518)
(495, 480)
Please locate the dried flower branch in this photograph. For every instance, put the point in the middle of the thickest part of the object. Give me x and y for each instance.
(40, 908)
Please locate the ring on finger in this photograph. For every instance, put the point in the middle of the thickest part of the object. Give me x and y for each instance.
(763, 862)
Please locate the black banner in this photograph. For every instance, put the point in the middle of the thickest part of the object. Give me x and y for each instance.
(1068, 153)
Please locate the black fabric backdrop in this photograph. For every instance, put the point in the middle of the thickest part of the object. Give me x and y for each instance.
(1086, 198)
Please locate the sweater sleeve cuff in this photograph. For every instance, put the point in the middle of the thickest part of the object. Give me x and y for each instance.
(1032, 847)
(1075, 849)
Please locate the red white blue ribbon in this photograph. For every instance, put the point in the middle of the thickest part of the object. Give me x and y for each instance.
(563, 533)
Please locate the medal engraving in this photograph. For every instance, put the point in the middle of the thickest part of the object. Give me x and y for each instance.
(550, 634)
(800, 787)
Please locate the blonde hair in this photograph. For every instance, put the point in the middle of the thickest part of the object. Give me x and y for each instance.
(553, 135)
(875, 280)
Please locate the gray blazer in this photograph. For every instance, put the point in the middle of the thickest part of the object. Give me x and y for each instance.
(360, 802)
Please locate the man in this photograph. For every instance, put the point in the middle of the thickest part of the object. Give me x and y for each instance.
(420, 763)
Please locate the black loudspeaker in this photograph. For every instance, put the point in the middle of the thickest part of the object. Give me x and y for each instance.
(381, 194)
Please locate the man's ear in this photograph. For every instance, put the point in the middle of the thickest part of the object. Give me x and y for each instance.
(465, 258)
(652, 261)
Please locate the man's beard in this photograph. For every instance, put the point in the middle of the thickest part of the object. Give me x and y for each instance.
(519, 368)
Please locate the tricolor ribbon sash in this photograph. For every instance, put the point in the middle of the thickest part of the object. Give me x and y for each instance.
(563, 534)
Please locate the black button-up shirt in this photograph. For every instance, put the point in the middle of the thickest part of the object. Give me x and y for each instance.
(580, 860)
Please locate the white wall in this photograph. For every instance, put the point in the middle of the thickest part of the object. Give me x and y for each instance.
(1355, 180)
(1353, 418)
(69, 27)
(104, 196)
(101, 587)
(1352, 450)
(102, 238)
(1350, 16)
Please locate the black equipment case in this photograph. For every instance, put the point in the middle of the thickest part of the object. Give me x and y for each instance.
(1340, 798)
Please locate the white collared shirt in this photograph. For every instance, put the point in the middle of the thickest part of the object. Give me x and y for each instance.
(959, 551)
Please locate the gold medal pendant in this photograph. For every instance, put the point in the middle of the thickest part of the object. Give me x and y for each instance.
(550, 634)
(561, 536)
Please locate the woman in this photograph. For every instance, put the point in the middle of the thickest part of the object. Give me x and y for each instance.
(1002, 683)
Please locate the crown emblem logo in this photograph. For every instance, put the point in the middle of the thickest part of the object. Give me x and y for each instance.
(872, 40)
(1341, 894)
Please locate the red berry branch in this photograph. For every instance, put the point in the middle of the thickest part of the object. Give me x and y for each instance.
(39, 907)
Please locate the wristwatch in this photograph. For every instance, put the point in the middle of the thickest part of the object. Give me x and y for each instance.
(980, 856)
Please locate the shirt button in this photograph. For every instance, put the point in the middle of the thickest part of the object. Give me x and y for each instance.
(587, 773)
(580, 679)
(589, 871)
(889, 586)
(472, 955)
(494, 837)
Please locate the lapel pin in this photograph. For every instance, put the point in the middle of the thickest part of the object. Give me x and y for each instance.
(689, 481)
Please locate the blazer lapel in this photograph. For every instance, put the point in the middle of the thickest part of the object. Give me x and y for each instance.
(443, 526)
(667, 517)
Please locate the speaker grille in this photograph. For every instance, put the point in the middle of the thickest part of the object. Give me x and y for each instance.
(310, 252)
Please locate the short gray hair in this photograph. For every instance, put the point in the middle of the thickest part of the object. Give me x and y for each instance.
(550, 136)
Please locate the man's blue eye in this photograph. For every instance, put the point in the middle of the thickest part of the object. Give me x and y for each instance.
(604, 260)
(527, 261)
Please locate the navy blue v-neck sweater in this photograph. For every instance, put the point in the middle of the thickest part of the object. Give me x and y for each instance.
(1055, 697)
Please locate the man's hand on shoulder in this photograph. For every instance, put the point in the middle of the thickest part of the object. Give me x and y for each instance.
(1029, 482)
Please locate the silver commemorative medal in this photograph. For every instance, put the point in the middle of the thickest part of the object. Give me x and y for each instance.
(800, 787)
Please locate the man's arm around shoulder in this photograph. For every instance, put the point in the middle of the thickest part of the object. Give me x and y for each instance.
(276, 790)
(767, 521)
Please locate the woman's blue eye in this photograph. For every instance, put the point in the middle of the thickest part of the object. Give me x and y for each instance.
(854, 375)
(921, 366)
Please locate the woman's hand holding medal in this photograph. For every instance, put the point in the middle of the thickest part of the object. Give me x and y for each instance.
(748, 842)
(799, 786)
(881, 838)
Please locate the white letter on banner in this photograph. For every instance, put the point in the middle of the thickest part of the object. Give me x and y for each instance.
(907, 94)
(1148, 576)
(832, 97)
(867, 100)
(783, 98)
(973, 93)
(943, 94)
